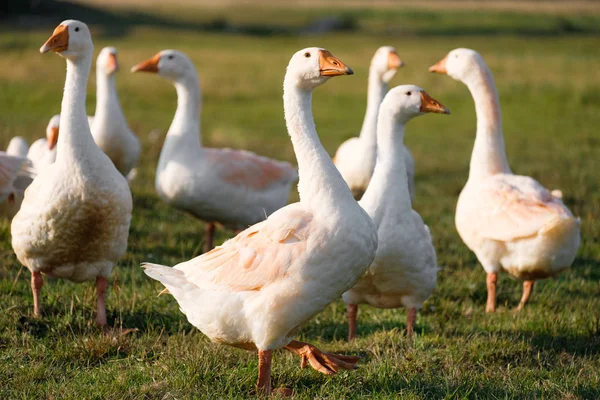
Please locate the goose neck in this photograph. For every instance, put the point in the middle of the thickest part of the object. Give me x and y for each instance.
(320, 185)
(376, 92)
(489, 154)
(184, 133)
(75, 137)
(389, 184)
(108, 108)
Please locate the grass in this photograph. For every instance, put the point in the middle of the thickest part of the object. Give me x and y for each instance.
(546, 73)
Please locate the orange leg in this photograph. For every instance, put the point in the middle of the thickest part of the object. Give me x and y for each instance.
(36, 287)
(325, 363)
(208, 239)
(411, 318)
(492, 278)
(352, 311)
(527, 289)
(101, 285)
(264, 372)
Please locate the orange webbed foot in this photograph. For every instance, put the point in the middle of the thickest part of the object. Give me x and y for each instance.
(325, 363)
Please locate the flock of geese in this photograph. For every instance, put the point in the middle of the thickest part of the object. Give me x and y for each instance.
(258, 288)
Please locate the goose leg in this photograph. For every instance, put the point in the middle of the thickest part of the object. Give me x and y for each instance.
(411, 318)
(208, 239)
(527, 289)
(492, 278)
(101, 285)
(264, 372)
(352, 311)
(325, 363)
(36, 287)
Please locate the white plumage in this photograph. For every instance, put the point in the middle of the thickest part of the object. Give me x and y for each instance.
(74, 220)
(510, 222)
(257, 289)
(404, 271)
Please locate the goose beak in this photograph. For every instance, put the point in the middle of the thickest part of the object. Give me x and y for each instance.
(52, 137)
(439, 67)
(59, 41)
(431, 105)
(112, 64)
(394, 61)
(331, 66)
(150, 65)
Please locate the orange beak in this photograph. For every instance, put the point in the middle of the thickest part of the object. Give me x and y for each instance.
(150, 65)
(59, 41)
(431, 105)
(439, 67)
(394, 61)
(331, 66)
(52, 137)
(112, 64)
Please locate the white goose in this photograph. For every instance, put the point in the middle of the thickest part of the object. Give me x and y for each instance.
(15, 176)
(233, 187)
(109, 126)
(403, 273)
(257, 290)
(355, 158)
(74, 220)
(510, 222)
(43, 151)
(17, 147)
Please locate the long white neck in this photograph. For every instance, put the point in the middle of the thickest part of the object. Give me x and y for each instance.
(108, 108)
(320, 185)
(184, 132)
(388, 189)
(75, 139)
(368, 134)
(489, 154)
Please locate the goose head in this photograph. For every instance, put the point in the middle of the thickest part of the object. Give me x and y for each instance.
(313, 66)
(408, 101)
(71, 39)
(170, 64)
(107, 61)
(459, 64)
(52, 131)
(386, 63)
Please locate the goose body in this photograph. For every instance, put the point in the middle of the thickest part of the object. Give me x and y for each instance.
(233, 187)
(74, 221)
(404, 271)
(355, 158)
(257, 289)
(109, 126)
(511, 222)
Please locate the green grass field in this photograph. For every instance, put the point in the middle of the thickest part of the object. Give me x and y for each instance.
(546, 65)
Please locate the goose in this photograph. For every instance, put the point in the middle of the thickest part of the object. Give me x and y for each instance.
(109, 126)
(403, 273)
(17, 147)
(257, 289)
(232, 187)
(43, 151)
(74, 220)
(511, 222)
(15, 176)
(355, 158)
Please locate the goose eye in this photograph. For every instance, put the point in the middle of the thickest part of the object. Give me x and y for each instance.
(77, 29)
(171, 57)
(408, 93)
(307, 55)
